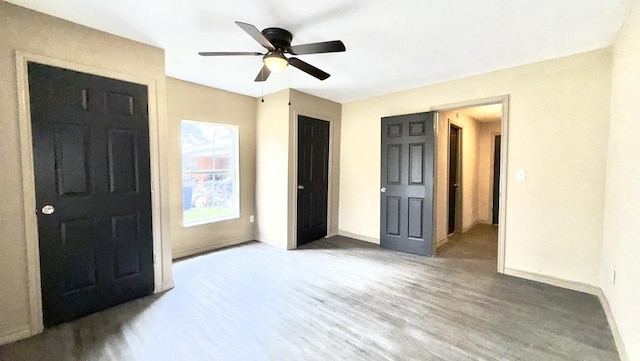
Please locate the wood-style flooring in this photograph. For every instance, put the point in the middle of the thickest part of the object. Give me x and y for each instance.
(479, 242)
(336, 299)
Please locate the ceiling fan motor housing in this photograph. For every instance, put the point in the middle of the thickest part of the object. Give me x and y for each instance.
(279, 38)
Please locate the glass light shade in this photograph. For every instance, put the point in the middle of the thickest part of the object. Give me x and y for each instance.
(275, 61)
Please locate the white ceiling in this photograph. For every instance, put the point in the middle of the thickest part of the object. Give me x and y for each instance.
(391, 45)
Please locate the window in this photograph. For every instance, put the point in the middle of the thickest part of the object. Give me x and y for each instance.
(210, 176)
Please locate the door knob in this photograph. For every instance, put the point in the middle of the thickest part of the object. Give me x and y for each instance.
(300, 187)
(48, 209)
(383, 189)
(456, 185)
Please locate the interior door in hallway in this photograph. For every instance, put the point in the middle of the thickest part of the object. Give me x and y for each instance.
(313, 179)
(453, 222)
(496, 179)
(93, 193)
(406, 183)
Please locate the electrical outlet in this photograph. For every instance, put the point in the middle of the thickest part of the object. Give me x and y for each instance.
(613, 279)
(251, 218)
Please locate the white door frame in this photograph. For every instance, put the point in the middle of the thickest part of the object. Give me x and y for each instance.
(29, 188)
(502, 221)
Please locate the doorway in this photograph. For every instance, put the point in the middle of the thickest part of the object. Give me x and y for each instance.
(313, 179)
(454, 216)
(93, 191)
(481, 192)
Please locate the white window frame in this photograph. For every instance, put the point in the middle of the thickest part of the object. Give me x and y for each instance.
(235, 168)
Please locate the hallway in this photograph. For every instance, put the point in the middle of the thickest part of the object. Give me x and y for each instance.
(480, 243)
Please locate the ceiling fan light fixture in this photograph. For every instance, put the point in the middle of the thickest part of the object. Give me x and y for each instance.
(275, 61)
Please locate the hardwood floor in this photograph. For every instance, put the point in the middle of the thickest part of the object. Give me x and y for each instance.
(335, 299)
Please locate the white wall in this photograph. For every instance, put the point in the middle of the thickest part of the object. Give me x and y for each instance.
(621, 240)
(486, 134)
(272, 169)
(188, 101)
(558, 125)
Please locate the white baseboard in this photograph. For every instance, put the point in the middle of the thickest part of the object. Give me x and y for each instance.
(359, 237)
(332, 234)
(15, 336)
(580, 287)
(210, 247)
(464, 229)
(622, 351)
(559, 282)
(270, 242)
(166, 286)
(442, 242)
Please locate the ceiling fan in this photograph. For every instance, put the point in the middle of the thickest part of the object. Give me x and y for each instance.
(278, 42)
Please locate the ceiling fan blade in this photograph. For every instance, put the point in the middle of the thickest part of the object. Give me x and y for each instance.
(263, 74)
(316, 48)
(228, 53)
(256, 34)
(308, 68)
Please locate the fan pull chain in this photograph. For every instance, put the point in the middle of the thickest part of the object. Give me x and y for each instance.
(262, 84)
(289, 87)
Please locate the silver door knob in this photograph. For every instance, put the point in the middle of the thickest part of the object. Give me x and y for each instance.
(300, 187)
(383, 189)
(48, 209)
(456, 185)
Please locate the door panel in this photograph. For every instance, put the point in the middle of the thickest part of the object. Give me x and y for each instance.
(91, 163)
(406, 198)
(72, 157)
(313, 179)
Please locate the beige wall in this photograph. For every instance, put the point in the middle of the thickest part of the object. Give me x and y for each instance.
(276, 183)
(558, 125)
(188, 101)
(486, 134)
(621, 245)
(469, 169)
(31, 32)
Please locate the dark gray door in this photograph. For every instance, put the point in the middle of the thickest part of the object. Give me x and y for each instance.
(496, 179)
(93, 194)
(313, 179)
(454, 177)
(406, 183)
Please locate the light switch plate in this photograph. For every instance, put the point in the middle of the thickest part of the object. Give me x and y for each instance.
(521, 175)
(251, 218)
